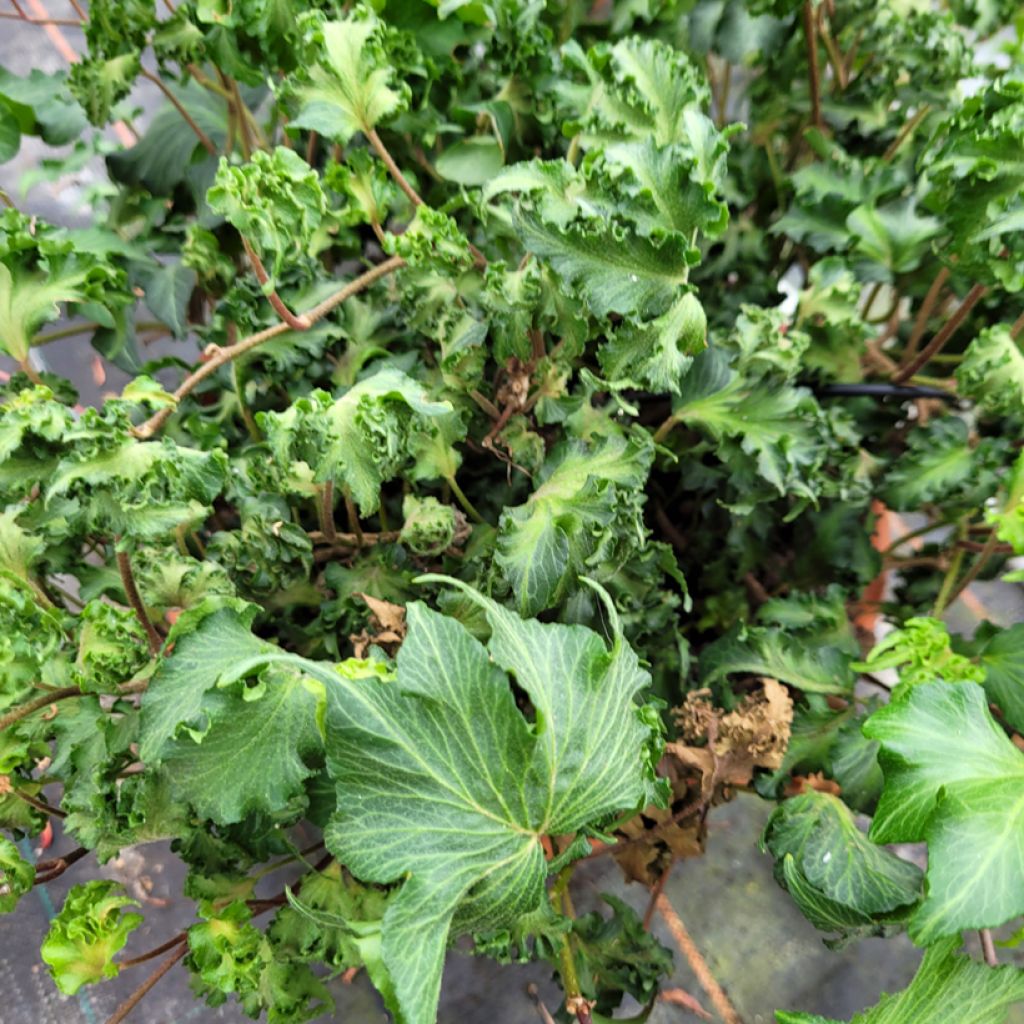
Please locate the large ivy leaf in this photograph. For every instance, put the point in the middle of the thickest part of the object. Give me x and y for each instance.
(445, 786)
(954, 779)
(947, 989)
(838, 877)
(350, 89)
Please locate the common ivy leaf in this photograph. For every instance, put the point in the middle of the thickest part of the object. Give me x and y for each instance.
(275, 201)
(208, 641)
(845, 881)
(616, 270)
(655, 354)
(941, 465)
(953, 779)
(585, 512)
(764, 651)
(443, 783)
(27, 301)
(111, 647)
(17, 875)
(363, 438)
(89, 931)
(782, 429)
(1002, 658)
(350, 90)
(992, 372)
(168, 288)
(271, 723)
(893, 235)
(947, 989)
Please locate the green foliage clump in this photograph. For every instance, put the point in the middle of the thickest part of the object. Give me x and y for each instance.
(564, 412)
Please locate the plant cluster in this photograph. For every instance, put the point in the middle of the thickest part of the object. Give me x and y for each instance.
(549, 375)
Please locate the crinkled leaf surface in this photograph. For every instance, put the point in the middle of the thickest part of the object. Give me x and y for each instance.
(350, 90)
(954, 779)
(445, 786)
(947, 989)
(580, 508)
(774, 652)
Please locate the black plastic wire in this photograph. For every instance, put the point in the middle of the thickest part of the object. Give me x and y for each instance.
(903, 392)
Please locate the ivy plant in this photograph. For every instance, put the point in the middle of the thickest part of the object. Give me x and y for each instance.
(565, 416)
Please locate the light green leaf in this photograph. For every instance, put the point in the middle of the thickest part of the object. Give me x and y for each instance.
(473, 161)
(953, 779)
(275, 201)
(350, 90)
(17, 875)
(363, 438)
(992, 372)
(615, 270)
(444, 785)
(28, 300)
(947, 989)
(87, 933)
(271, 727)
(208, 641)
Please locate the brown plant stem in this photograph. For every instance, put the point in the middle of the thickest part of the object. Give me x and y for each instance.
(139, 994)
(39, 805)
(205, 139)
(352, 513)
(124, 566)
(1018, 327)
(948, 329)
(48, 698)
(811, 36)
(65, 22)
(656, 890)
(403, 183)
(988, 549)
(327, 513)
(47, 871)
(393, 169)
(154, 953)
(925, 311)
(719, 1000)
(220, 356)
(988, 947)
(296, 323)
(905, 132)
